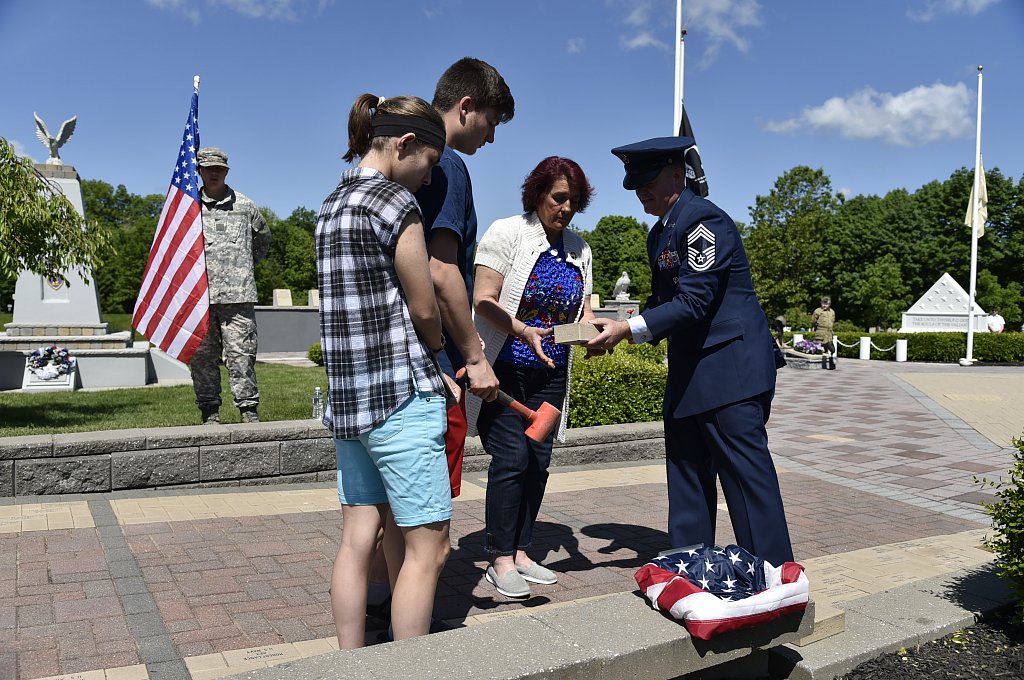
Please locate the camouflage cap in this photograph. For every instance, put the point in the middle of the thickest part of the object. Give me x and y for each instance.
(211, 155)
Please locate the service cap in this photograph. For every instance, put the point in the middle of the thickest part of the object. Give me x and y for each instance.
(644, 160)
(211, 155)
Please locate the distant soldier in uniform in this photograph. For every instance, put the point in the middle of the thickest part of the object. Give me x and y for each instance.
(721, 369)
(237, 238)
(823, 320)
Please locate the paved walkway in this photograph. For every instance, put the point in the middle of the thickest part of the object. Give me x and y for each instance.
(875, 459)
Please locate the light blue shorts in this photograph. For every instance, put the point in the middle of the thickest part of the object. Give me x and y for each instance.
(400, 462)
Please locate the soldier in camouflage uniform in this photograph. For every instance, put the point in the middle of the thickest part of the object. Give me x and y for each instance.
(237, 238)
(823, 320)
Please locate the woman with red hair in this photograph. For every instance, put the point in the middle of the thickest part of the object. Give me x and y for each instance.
(532, 273)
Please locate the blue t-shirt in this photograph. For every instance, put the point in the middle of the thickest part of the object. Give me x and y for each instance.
(551, 297)
(447, 203)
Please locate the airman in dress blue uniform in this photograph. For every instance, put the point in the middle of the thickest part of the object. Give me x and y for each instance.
(721, 365)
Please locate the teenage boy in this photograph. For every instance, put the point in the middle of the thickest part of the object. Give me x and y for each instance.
(473, 100)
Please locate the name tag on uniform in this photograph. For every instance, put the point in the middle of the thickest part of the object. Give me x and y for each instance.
(669, 259)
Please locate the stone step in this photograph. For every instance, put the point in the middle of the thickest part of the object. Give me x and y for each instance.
(108, 341)
(50, 329)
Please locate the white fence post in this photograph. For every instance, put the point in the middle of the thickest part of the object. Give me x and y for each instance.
(865, 348)
(901, 349)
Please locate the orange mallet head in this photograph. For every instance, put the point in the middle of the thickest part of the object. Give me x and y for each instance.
(541, 421)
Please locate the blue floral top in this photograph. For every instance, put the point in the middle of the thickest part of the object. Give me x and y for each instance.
(552, 295)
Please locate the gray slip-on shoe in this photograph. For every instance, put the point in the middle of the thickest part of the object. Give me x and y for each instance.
(509, 585)
(535, 573)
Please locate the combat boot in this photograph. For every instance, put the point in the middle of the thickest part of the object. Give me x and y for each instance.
(210, 415)
(832, 363)
(249, 416)
(824, 361)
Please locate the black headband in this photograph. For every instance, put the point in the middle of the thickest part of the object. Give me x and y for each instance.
(396, 125)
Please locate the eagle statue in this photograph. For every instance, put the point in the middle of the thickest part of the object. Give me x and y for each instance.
(54, 143)
(621, 291)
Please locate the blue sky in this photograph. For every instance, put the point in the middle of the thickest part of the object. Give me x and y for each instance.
(881, 94)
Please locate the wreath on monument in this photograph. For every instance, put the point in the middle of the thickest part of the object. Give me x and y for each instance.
(49, 363)
(809, 347)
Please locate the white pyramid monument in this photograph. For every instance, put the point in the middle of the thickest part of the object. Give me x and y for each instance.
(942, 308)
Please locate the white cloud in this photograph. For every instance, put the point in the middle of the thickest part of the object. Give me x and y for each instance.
(639, 16)
(918, 116)
(183, 7)
(263, 9)
(642, 40)
(933, 9)
(19, 149)
(576, 45)
(284, 10)
(720, 23)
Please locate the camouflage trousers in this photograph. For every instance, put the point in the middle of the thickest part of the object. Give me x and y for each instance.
(231, 338)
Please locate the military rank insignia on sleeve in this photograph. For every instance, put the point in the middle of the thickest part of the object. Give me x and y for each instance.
(700, 248)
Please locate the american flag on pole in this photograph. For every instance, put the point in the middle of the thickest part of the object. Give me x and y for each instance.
(173, 308)
(715, 590)
(695, 177)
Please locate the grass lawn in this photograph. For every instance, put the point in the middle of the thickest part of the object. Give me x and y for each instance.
(285, 394)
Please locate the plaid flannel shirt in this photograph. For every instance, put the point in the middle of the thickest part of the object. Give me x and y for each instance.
(374, 359)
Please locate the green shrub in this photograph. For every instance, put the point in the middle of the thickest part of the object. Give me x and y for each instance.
(316, 354)
(1002, 347)
(623, 387)
(1008, 522)
(798, 318)
(645, 351)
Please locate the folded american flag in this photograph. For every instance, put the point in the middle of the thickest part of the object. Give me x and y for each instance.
(715, 590)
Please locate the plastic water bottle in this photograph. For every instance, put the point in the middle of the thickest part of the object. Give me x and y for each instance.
(318, 404)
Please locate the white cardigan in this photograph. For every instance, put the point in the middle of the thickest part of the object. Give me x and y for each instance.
(511, 247)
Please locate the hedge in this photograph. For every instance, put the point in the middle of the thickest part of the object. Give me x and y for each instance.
(938, 347)
(626, 386)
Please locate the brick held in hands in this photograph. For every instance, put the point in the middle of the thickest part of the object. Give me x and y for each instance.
(575, 333)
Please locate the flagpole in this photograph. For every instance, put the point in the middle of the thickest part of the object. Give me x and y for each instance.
(677, 114)
(975, 197)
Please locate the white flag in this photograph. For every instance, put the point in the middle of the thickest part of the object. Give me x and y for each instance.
(982, 205)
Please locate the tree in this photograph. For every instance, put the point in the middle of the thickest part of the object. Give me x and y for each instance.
(1009, 299)
(131, 221)
(788, 233)
(619, 244)
(39, 228)
(881, 293)
(291, 261)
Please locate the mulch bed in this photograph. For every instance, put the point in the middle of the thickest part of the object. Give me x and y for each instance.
(992, 648)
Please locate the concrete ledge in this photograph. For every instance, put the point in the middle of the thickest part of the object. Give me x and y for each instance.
(614, 638)
(232, 455)
(906, 616)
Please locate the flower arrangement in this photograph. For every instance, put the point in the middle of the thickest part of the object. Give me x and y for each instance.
(49, 363)
(809, 347)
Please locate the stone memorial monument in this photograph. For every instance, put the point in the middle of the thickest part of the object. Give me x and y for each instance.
(942, 308)
(64, 310)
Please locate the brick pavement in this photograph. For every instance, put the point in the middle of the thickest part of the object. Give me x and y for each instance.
(870, 466)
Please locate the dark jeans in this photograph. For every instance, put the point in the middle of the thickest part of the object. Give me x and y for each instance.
(518, 472)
